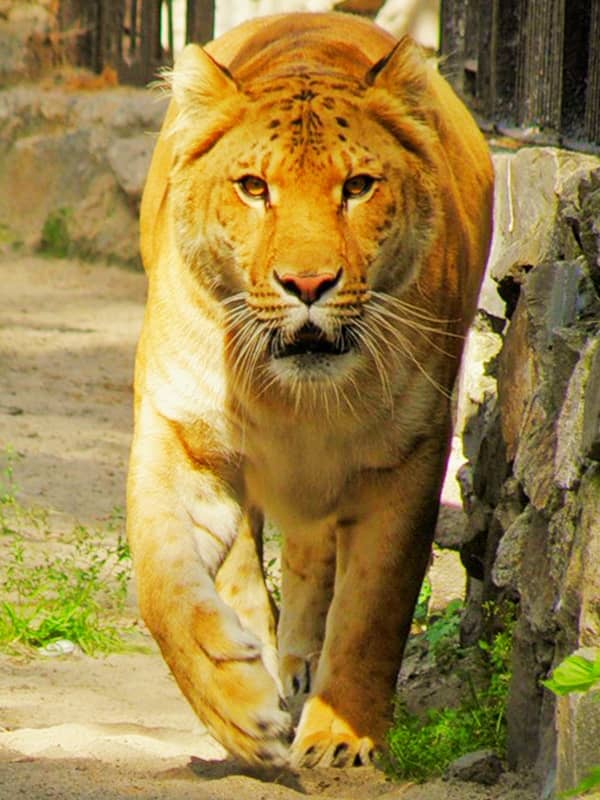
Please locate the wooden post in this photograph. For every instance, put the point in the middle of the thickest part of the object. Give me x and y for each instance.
(540, 69)
(592, 96)
(200, 21)
(498, 56)
(453, 15)
(151, 50)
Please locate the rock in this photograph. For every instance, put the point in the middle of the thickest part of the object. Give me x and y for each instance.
(452, 528)
(80, 157)
(581, 210)
(532, 483)
(129, 159)
(477, 379)
(579, 601)
(578, 424)
(483, 767)
(12, 55)
(531, 188)
(516, 379)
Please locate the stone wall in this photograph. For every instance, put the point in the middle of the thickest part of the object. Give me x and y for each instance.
(532, 484)
(72, 166)
(74, 150)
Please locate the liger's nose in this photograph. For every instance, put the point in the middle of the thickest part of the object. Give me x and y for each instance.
(308, 287)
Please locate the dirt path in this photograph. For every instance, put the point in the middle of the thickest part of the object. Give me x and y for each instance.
(117, 727)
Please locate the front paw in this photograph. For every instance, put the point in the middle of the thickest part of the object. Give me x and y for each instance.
(323, 739)
(244, 711)
(226, 675)
(297, 673)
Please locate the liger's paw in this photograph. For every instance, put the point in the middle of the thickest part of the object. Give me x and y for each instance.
(323, 739)
(297, 673)
(231, 680)
(243, 710)
(332, 750)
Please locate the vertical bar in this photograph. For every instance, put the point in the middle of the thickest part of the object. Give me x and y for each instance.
(200, 21)
(540, 70)
(113, 31)
(471, 47)
(453, 14)
(592, 97)
(94, 21)
(487, 53)
(119, 34)
(150, 45)
(133, 27)
(170, 26)
(100, 39)
(576, 60)
(506, 57)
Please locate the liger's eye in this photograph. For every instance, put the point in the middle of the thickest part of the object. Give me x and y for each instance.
(254, 187)
(357, 186)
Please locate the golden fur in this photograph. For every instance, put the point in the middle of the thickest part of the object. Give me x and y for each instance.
(314, 226)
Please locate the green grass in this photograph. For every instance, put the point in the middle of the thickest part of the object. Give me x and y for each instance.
(56, 239)
(272, 562)
(9, 237)
(69, 588)
(422, 747)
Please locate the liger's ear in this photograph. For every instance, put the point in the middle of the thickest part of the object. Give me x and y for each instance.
(402, 72)
(197, 80)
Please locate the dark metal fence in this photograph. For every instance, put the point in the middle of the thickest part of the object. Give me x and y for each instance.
(134, 37)
(530, 65)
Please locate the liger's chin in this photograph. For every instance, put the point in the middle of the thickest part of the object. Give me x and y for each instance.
(309, 368)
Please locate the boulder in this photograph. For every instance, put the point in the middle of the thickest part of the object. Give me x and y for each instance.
(483, 766)
(73, 164)
(532, 482)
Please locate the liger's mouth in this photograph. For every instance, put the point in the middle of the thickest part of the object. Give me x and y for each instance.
(310, 340)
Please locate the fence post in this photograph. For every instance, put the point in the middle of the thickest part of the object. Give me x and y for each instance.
(453, 14)
(498, 55)
(200, 21)
(540, 69)
(592, 98)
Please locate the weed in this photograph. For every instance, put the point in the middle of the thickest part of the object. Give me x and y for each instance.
(56, 240)
(422, 748)
(272, 562)
(421, 612)
(577, 673)
(441, 632)
(9, 237)
(74, 589)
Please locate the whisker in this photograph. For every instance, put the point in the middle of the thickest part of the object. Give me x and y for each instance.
(362, 335)
(410, 308)
(386, 323)
(352, 381)
(402, 345)
(269, 378)
(417, 326)
(248, 342)
(239, 297)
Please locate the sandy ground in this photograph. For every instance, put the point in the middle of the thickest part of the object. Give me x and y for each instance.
(115, 727)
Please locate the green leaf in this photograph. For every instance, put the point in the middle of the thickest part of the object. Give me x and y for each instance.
(574, 674)
(591, 781)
